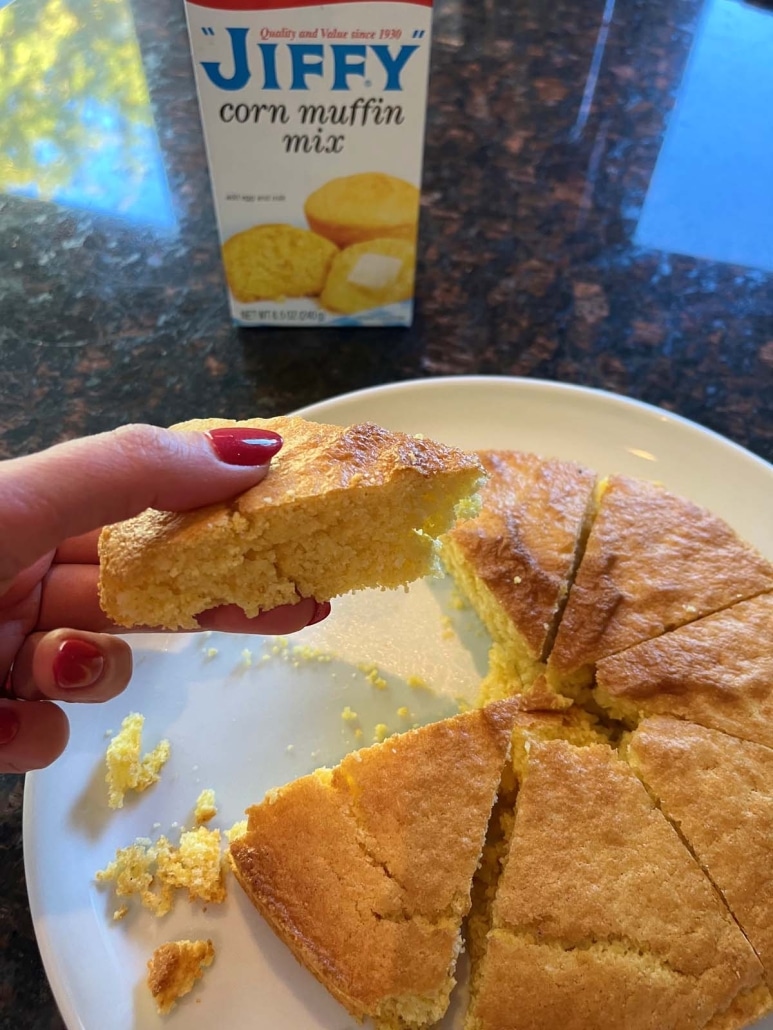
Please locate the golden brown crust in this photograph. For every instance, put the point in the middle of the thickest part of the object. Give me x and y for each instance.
(717, 671)
(602, 917)
(306, 530)
(365, 872)
(174, 968)
(653, 562)
(719, 791)
(522, 545)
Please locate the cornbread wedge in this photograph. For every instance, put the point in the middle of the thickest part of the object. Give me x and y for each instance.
(718, 791)
(602, 918)
(365, 870)
(717, 672)
(653, 562)
(340, 510)
(515, 560)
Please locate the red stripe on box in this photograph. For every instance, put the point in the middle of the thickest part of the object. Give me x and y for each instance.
(278, 5)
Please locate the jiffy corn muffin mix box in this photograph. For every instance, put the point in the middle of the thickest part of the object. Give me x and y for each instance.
(314, 118)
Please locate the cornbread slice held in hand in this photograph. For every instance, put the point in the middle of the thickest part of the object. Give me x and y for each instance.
(602, 917)
(515, 560)
(717, 672)
(718, 791)
(365, 870)
(340, 510)
(653, 562)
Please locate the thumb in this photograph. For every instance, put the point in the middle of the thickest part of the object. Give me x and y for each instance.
(83, 484)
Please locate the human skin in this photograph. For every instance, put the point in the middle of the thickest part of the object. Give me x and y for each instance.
(56, 644)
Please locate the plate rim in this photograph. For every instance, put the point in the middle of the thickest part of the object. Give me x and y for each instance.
(536, 385)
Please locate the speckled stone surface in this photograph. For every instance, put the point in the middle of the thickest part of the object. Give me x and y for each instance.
(538, 160)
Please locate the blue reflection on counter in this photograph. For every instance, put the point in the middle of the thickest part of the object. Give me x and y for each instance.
(77, 126)
(711, 195)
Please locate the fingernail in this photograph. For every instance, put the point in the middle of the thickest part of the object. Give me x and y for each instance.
(9, 725)
(322, 612)
(77, 664)
(236, 446)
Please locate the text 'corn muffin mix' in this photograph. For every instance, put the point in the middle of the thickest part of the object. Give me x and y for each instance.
(313, 116)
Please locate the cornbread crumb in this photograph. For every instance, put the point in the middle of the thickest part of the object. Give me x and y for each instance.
(125, 769)
(358, 734)
(447, 631)
(120, 912)
(372, 675)
(290, 748)
(307, 653)
(380, 733)
(247, 658)
(237, 830)
(348, 715)
(174, 968)
(195, 865)
(154, 871)
(403, 712)
(210, 653)
(417, 683)
(205, 806)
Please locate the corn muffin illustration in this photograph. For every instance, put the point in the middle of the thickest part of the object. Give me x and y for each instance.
(270, 262)
(368, 206)
(368, 275)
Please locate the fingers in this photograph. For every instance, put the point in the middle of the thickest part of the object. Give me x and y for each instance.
(70, 598)
(79, 550)
(77, 486)
(287, 618)
(67, 665)
(32, 736)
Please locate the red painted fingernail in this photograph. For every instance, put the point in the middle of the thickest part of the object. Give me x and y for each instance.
(9, 725)
(322, 612)
(77, 664)
(236, 446)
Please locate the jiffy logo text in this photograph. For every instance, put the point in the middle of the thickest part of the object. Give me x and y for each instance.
(334, 63)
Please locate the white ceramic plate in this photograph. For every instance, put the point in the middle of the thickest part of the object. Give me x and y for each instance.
(244, 723)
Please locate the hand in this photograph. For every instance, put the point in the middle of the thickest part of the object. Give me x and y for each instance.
(52, 505)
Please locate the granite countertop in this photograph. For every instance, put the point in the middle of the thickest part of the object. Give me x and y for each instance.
(596, 210)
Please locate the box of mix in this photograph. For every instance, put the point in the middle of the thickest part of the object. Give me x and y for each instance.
(313, 118)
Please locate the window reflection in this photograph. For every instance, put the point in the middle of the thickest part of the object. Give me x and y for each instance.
(76, 125)
(711, 195)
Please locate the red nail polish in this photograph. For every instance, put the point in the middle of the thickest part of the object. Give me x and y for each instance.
(9, 725)
(238, 446)
(77, 664)
(322, 612)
